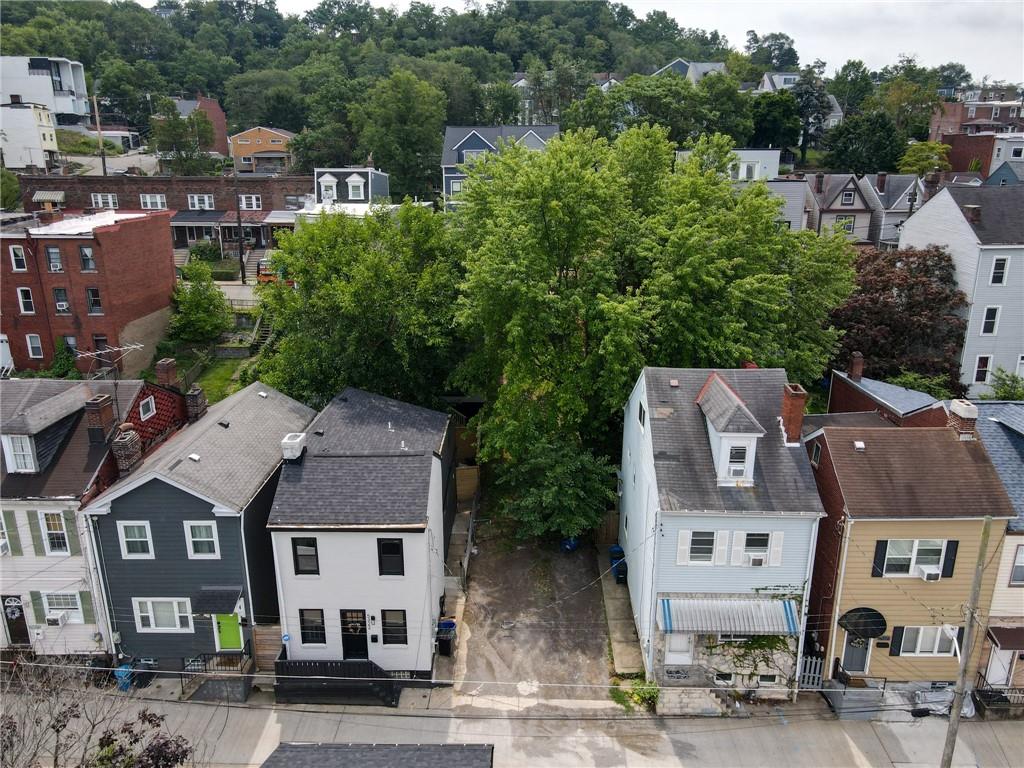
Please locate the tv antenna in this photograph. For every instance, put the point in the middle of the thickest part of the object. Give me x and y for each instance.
(110, 363)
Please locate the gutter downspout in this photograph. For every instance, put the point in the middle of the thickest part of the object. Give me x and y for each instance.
(280, 592)
(804, 607)
(837, 595)
(654, 593)
(94, 571)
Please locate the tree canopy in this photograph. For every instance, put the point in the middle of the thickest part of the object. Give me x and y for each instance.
(923, 157)
(864, 143)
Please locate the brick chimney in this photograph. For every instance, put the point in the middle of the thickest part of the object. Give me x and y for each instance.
(195, 403)
(794, 399)
(972, 213)
(819, 182)
(127, 449)
(49, 215)
(99, 418)
(931, 184)
(167, 372)
(963, 415)
(882, 176)
(856, 367)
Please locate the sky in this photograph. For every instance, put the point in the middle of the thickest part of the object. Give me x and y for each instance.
(987, 36)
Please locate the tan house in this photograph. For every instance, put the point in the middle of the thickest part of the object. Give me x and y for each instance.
(895, 559)
(261, 150)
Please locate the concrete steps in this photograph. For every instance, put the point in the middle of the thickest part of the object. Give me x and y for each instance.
(689, 701)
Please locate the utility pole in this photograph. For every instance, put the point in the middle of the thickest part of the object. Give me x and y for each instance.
(99, 129)
(965, 650)
(238, 219)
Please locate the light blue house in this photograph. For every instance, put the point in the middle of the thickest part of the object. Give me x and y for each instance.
(718, 519)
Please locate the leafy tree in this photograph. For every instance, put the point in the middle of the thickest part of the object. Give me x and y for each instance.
(813, 105)
(936, 386)
(255, 98)
(776, 118)
(923, 157)
(864, 143)
(553, 90)
(952, 75)
(726, 108)
(185, 141)
(906, 314)
(1005, 386)
(372, 307)
(10, 190)
(597, 110)
(401, 123)
(127, 89)
(774, 51)
(741, 67)
(201, 312)
(851, 85)
(910, 104)
(499, 104)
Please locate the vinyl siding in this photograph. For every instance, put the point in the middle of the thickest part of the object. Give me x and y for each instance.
(1008, 601)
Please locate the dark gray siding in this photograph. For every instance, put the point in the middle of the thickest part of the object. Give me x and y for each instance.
(379, 186)
(170, 573)
(260, 553)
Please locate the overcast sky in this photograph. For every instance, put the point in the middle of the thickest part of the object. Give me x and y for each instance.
(985, 35)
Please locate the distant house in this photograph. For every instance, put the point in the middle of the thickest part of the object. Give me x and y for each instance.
(29, 137)
(718, 515)
(843, 201)
(983, 230)
(753, 163)
(464, 143)
(783, 81)
(261, 150)
(852, 392)
(984, 152)
(796, 204)
(212, 109)
(52, 82)
(694, 71)
(974, 116)
(381, 756)
(1006, 175)
(894, 197)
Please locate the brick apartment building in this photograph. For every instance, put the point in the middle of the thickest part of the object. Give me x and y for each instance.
(212, 109)
(97, 281)
(976, 117)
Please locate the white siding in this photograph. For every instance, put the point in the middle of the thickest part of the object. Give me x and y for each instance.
(1007, 601)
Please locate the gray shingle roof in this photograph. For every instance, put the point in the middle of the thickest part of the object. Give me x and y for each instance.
(492, 134)
(1001, 428)
(724, 408)
(28, 406)
(1002, 212)
(899, 399)
(358, 422)
(381, 756)
(896, 187)
(815, 421)
(683, 464)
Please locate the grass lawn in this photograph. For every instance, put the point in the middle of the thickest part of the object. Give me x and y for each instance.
(216, 379)
(75, 143)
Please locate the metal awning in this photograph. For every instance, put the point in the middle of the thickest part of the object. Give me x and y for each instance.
(280, 217)
(865, 623)
(1008, 638)
(48, 196)
(204, 218)
(743, 617)
(210, 600)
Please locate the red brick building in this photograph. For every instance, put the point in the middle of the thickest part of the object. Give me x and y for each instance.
(212, 109)
(976, 117)
(852, 392)
(97, 281)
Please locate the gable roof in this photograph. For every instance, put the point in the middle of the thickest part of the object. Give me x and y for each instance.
(700, 69)
(281, 131)
(898, 399)
(454, 135)
(678, 65)
(724, 408)
(925, 472)
(897, 185)
(834, 184)
(381, 756)
(1000, 427)
(1002, 212)
(683, 463)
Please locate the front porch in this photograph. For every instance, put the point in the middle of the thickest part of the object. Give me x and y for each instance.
(219, 676)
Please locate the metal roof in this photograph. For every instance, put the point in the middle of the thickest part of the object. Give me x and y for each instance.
(739, 616)
(205, 217)
(900, 399)
(48, 196)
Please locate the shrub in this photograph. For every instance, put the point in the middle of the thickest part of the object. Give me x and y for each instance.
(201, 312)
(206, 250)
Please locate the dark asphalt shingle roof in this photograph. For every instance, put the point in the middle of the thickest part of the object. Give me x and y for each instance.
(1001, 428)
(899, 399)
(897, 185)
(815, 421)
(197, 217)
(381, 756)
(492, 134)
(724, 408)
(1002, 212)
(685, 470)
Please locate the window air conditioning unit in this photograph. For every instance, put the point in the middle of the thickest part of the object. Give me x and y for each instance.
(737, 471)
(56, 618)
(755, 561)
(63, 306)
(929, 572)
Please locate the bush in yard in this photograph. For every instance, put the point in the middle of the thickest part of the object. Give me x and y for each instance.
(201, 313)
(1005, 386)
(936, 386)
(205, 250)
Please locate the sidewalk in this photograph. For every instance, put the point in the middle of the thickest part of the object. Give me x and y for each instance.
(625, 643)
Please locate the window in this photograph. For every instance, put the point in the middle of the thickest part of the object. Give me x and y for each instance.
(53, 259)
(999, 271)
(28, 306)
(60, 301)
(456, 186)
(293, 202)
(1013, 111)
(276, 141)
(356, 187)
(55, 537)
(390, 560)
(733, 637)
(903, 555)
(991, 321)
(816, 454)
(972, 111)
(55, 602)
(244, 141)
(99, 342)
(136, 540)
(749, 170)
(72, 342)
(737, 461)
(1020, 366)
(757, 544)
(767, 679)
(641, 415)
(304, 556)
(35, 345)
(104, 200)
(200, 202)
(393, 628)
(981, 369)
(246, 160)
(1017, 569)
(20, 452)
(18, 262)
(162, 615)
(999, 152)
(1017, 152)
(724, 678)
(88, 260)
(147, 408)
(153, 202)
(702, 546)
(848, 197)
(311, 626)
(259, 141)
(995, 112)
(926, 641)
(201, 539)
(846, 223)
(92, 295)
(250, 202)
(471, 154)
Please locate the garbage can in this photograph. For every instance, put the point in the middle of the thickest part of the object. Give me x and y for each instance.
(101, 669)
(123, 674)
(145, 671)
(570, 544)
(615, 553)
(447, 637)
(619, 571)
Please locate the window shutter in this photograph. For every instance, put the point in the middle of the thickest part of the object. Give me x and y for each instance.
(896, 642)
(721, 547)
(878, 566)
(37, 536)
(949, 558)
(739, 540)
(683, 548)
(37, 607)
(775, 548)
(960, 639)
(13, 537)
(71, 529)
(88, 613)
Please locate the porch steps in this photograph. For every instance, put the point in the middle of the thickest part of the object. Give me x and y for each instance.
(689, 701)
(266, 640)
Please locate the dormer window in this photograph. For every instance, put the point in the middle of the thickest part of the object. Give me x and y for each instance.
(328, 188)
(19, 453)
(356, 187)
(733, 432)
(468, 155)
(738, 461)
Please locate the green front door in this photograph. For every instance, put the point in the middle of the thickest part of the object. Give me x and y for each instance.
(229, 633)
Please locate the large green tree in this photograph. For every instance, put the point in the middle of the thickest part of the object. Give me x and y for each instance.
(864, 143)
(908, 103)
(10, 190)
(851, 85)
(922, 157)
(776, 117)
(201, 313)
(184, 141)
(813, 104)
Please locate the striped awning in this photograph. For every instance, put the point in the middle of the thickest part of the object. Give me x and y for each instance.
(48, 196)
(742, 617)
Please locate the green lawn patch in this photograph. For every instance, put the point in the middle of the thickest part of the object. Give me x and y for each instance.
(217, 379)
(75, 143)
(225, 269)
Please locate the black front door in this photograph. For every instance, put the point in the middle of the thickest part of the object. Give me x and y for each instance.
(353, 635)
(14, 618)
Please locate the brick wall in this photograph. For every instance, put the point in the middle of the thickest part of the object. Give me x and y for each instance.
(212, 109)
(825, 573)
(844, 397)
(965, 148)
(946, 121)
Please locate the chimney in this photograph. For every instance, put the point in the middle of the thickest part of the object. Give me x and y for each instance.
(819, 182)
(972, 213)
(856, 368)
(49, 216)
(931, 184)
(167, 372)
(794, 398)
(882, 175)
(293, 446)
(195, 403)
(99, 418)
(963, 414)
(127, 449)
(800, 175)
(748, 365)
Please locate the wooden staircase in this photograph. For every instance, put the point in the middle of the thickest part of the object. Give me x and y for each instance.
(267, 645)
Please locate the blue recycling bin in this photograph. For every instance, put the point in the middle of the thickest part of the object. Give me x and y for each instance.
(124, 674)
(570, 544)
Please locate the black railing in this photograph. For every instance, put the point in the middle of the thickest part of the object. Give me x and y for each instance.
(998, 696)
(220, 661)
(856, 679)
(332, 680)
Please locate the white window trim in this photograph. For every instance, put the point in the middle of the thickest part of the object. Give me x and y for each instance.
(125, 554)
(45, 533)
(913, 559)
(195, 198)
(356, 190)
(455, 190)
(995, 325)
(24, 259)
(98, 199)
(844, 219)
(250, 202)
(728, 443)
(848, 193)
(8, 446)
(215, 555)
(28, 344)
(247, 159)
(933, 653)
(137, 610)
(145, 201)
(719, 548)
(815, 454)
(75, 616)
(1006, 270)
(149, 402)
(988, 371)
(1018, 556)
(21, 301)
(405, 613)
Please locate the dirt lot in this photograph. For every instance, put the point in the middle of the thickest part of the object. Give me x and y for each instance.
(533, 615)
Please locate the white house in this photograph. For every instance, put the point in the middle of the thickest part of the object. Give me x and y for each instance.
(983, 230)
(360, 526)
(752, 164)
(718, 519)
(54, 82)
(29, 136)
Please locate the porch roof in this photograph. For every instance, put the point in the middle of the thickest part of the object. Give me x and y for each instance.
(740, 616)
(1008, 638)
(196, 218)
(280, 217)
(216, 600)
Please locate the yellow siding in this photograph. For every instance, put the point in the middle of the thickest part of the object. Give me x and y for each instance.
(905, 601)
(1006, 600)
